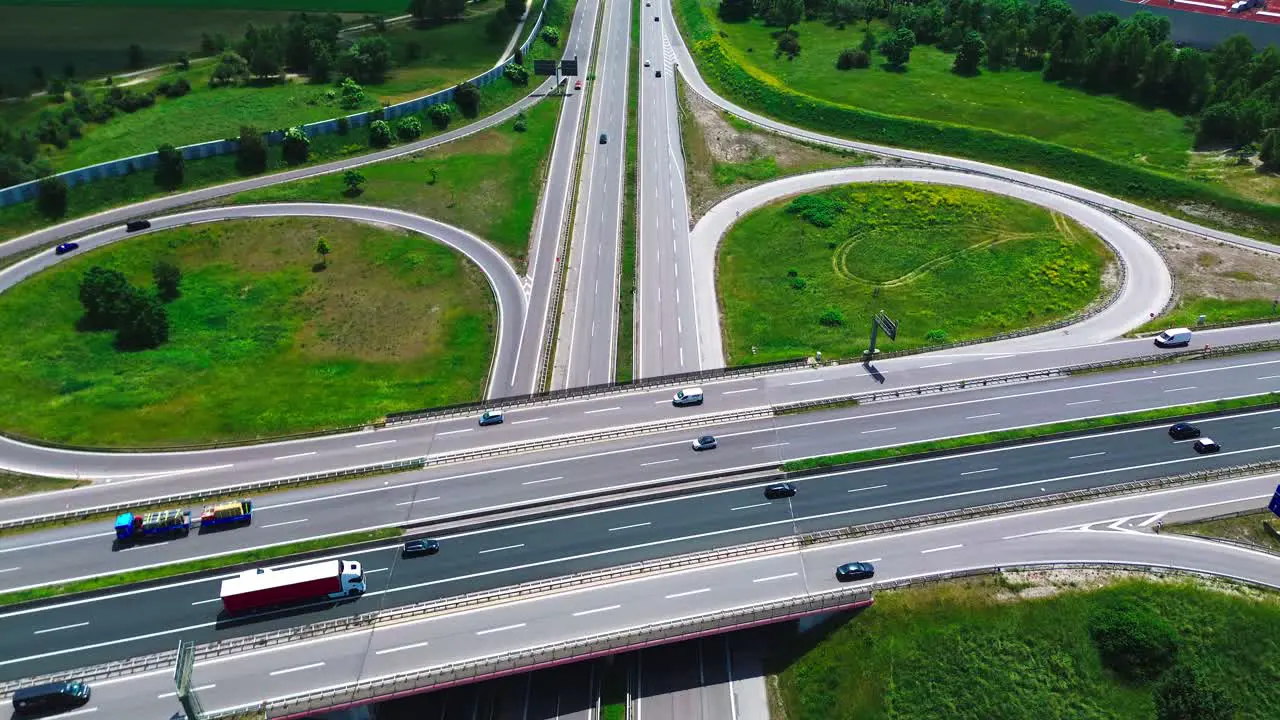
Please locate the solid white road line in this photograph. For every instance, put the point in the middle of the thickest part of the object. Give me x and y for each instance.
(1083, 402)
(6, 570)
(1269, 377)
(770, 445)
(628, 527)
(296, 455)
(453, 432)
(596, 610)
(976, 472)
(530, 420)
(935, 365)
(375, 444)
(366, 572)
(500, 549)
(687, 593)
(535, 482)
(412, 502)
(290, 522)
(872, 487)
(210, 686)
(868, 432)
(735, 392)
(748, 507)
(805, 382)
(592, 412)
(206, 602)
(940, 549)
(424, 643)
(1189, 387)
(1077, 457)
(60, 627)
(998, 357)
(286, 671)
(501, 629)
(984, 415)
(658, 462)
(774, 577)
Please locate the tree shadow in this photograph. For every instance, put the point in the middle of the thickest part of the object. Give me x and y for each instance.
(895, 69)
(319, 267)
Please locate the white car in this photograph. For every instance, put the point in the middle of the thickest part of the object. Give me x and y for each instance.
(706, 442)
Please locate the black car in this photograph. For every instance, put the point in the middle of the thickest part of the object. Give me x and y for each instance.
(413, 548)
(655, 18)
(855, 571)
(1206, 445)
(657, 73)
(136, 225)
(65, 248)
(49, 698)
(781, 490)
(604, 139)
(1184, 431)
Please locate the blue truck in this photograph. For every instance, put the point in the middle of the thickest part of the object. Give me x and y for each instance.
(237, 512)
(161, 523)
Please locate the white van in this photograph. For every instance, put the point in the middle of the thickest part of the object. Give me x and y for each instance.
(1175, 337)
(687, 396)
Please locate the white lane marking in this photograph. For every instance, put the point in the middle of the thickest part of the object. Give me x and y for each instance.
(535, 482)
(658, 462)
(628, 527)
(868, 432)
(871, 487)
(206, 602)
(279, 524)
(453, 432)
(521, 422)
(1269, 377)
(1077, 457)
(1154, 518)
(501, 629)
(805, 382)
(1083, 402)
(366, 572)
(1189, 387)
(60, 627)
(85, 711)
(500, 549)
(375, 444)
(748, 507)
(147, 546)
(770, 445)
(687, 593)
(978, 472)
(295, 455)
(998, 357)
(10, 569)
(935, 365)
(660, 402)
(33, 546)
(412, 502)
(975, 417)
(424, 643)
(774, 577)
(300, 668)
(593, 412)
(735, 392)
(940, 549)
(210, 686)
(606, 608)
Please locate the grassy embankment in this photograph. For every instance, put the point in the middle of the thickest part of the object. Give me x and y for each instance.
(627, 280)
(103, 194)
(1246, 528)
(487, 183)
(15, 484)
(903, 451)
(976, 651)
(1218, 310)
(175, 569)
(261, 343)
(1010, 118)
(947, 263)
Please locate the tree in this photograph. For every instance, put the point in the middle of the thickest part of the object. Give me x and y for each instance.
(1154, 82)
(379, 134)
(969, 55)
(467, 97)
(735, 10)
(440, 115)
(1189, 83)
(1269, 153)
(231, 69)
(786, 13)
(1219, 123)
(1133, 641)
(296, 146)
(320, 64)
(845, 60)
(184, 62)
(103, 295)
(352, 95)
(367, 60)
(144, 325)
(136, 58)
(408, 128)
(831, 317)
(868, 42)
(168, 278)
(354, 181)
(514, 8)
(251, 156)
(170, 168)
(896, 46)
(51, 197)
(436, 11)
(551, 35)
(518, 74)
(1184, 694)
(497, 25)
(323, 250)
(788, 44)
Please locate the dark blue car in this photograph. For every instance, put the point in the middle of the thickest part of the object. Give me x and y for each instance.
(66, 247)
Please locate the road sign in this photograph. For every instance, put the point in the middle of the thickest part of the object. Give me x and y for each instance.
(186, 660)
(889, 326)
(1275, 502)
(544, 67)
(569, 67)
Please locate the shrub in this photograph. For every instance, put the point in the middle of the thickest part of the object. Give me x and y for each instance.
(518, 74)
(408, 128)
(440, 115)
(352, 94)
(168, 278)
(861, 60)
(798, 283)
(522, 122)
(1184, 694)
(551, 35)
(831, 317)
(936, 336)
(51, 197)
(845, 61)
(467, 97)
(379, 133)
(251, 157)
(170, 167)
(344, 125)
(296, 146)
(1133, 641)
(818, 210)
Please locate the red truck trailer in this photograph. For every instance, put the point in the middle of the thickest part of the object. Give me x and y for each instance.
(269, 587)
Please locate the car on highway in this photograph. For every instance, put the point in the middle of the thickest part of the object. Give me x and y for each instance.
(706, 442)
(491, 417)
(136, 225)
(1206, 445)
(687, 396)
(577, 85)
(657, 73)
(780, 490)
(54, 697)
(64, 248)
(1184, 431)
(655, 18)
(425, 546)
(646, 63)
(1173, 337)
(604, 139)
(855, 571)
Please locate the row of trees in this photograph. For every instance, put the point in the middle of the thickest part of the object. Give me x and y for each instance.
(1233, 91)
(138, 317)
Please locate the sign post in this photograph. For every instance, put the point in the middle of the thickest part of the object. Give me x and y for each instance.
(878, 323)
(182, 680)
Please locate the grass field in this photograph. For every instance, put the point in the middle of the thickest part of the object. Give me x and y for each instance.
(1246, 528)
(487, 183)
(973, 652)
(14, 484)
(946, 263)
(260, 343)
(1215, 310)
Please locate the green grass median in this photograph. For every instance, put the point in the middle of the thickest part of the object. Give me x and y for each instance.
(904, 451)
(180, 568)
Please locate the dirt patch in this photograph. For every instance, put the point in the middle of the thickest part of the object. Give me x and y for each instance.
(1207, 268)
(1016, 586)
(725, 155)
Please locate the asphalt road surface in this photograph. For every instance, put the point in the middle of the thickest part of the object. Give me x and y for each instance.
(1112, 530)
(134, 622)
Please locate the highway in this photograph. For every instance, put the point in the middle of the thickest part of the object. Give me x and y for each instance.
(1111, 530)
(134, 622)
(668, 335)
(585, 349)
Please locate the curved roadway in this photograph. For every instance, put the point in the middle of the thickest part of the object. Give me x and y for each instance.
(501, 275)
(1146, 289)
